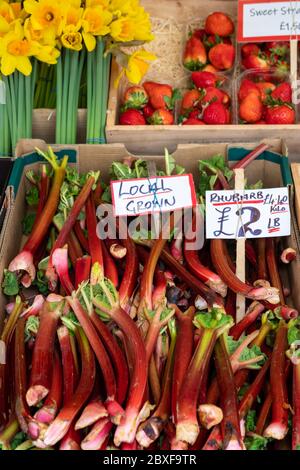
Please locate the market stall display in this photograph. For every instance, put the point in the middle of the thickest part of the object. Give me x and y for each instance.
(66, 287)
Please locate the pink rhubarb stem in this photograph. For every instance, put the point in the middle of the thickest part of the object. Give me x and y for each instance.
(82, 270)
(60, 263)
(253, 311)
(68, 225)
(278, 428)
(42, 360)
(62, 423)
(70, 373)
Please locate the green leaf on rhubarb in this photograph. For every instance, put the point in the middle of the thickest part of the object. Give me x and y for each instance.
(121, 171)
(256, 442)
(297, 447)
(258, 185)
(106, 195)
(41, 282)
(293, 331)
(17, 440)
(141, 169)
(215, 164)
(27, 223)
(242, 391)
(214, 319)
(250, 421)
(247, 353)
(32, 196)
(31, 327)
(10, 283)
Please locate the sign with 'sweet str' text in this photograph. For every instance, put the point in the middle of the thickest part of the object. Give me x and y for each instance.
(260, 20)
(154, 194)
(258, 213)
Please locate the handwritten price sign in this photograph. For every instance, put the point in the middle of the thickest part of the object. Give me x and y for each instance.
(260, 20)
(155, 194)
(248, 214)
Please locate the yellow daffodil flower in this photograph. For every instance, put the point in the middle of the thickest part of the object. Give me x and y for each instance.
(7, 16)
(123, 29)
(123, 7)
(137, 66)
(48, 54)
(73, 17)
(71, 38)
(95, 22)
(42, 36)
(46, 14)
(142, 25)
(15, 50)
(97, 3)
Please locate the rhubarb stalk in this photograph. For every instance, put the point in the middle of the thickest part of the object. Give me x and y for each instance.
(219, 260)
(24, 260)
(213, 324)
(82, 270)
(252, 313)
(108, 302)
(62, 423)
(42, 360)
(60, 264)
(278, 428)
(70, 373)
(95, 244)
(67, 227)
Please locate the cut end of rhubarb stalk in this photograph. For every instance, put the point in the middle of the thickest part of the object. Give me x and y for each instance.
(115, 411)
(149, 431)
(271, 294)
(210, 415)
(200, 303)
(36, 394)
(218, 286)
(92, 413)
(45, 415)
(187, 432)
(23, 262)
(287, 313)
(69, 444)
(262, 283)
(276, 431)
(235, 444)
(127, 429)
(96, 438)
(33, 430)
(52, 278)
(118, 251)
(288, 255)
(56, 431)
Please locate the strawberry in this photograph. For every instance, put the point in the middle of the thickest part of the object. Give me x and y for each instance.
(209, 68)
(281, 114)
(162, 116)
(214, 95)
(262, 122)
(219, 23)
(135, 97)
(159, 95)
(215, 113)
(193, 122)
(195, 56)
(148, 111)
(204, 79)
(249, 49)
(283, 92)
(247, 87)
(278, 48)
(265, 89)
(195, 114)
(251, 108)
(199, 34)
(281, 69)
(259, 62)
(148, 86)
(190, 100)
(213, 39)
(132, 117)
(222, 56)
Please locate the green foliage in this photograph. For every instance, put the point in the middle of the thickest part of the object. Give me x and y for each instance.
(250, 421)
(247, 353)
(214, 319)
(31, 327)
(32, 196)
(256, 442)
(209, 170)
(41, 282)
(27, 223)
(10, 283)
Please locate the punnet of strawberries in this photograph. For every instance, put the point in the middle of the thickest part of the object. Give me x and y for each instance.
(152, 103)
(262, 99)
(211, 48)
(207, 102)
(266, 56)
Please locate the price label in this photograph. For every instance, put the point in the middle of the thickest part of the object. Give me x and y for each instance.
(156, 194)
(250, 213)
(261, 20)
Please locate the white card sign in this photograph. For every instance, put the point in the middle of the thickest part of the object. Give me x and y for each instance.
(248, 213)
(260, 20)
(156, 194)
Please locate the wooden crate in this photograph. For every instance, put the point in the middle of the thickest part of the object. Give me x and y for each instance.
(153, 139)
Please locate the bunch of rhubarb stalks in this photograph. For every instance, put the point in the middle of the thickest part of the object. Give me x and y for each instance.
(132, 343)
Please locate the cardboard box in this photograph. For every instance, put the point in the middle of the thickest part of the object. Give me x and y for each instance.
(272, 168)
